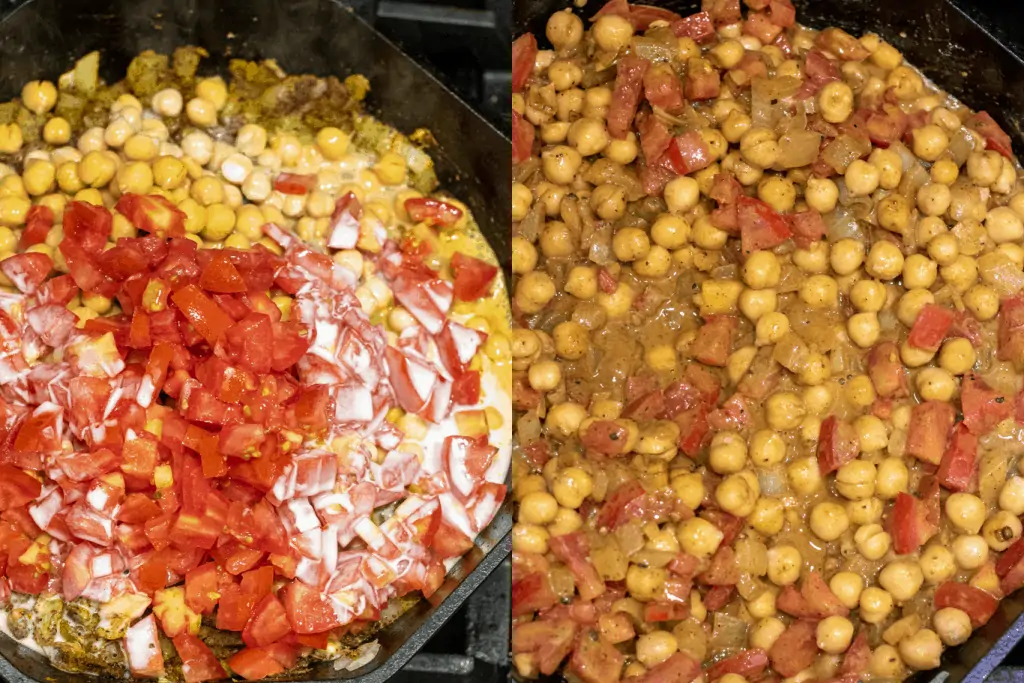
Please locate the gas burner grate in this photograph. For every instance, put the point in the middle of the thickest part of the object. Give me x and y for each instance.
(473, 646)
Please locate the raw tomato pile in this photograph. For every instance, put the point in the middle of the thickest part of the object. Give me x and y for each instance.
(197, 438)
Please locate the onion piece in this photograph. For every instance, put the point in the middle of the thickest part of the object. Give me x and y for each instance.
(843, 224)
(766, 99)
(365, 654)
(729, 633)
(913, 179)
(843, 151)
(528, 427)
(1000, 273)
(798, 148)
(652, 49)
(773, 482)
(961, 144)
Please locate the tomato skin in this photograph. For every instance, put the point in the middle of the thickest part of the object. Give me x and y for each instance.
(983, 407)
(201, 588)
(434, 212)
(715, 339)
(761, 227)
(235, 608)
(27, 271)
(473, 277)
(87, 225)
(595, 660)
(259, 582)
(254, 664)
(957, 470)
(17, 488)
(221, 276)
(837, 445)
(908, 524)
(549, 640)
(199, 664)
(522, 138)
(206, 316)
(979, 605)
(153, 214)
(930, 327)
(796, 648)
(308, 611)
(37, 223)
(748, 663)
(930, 425)
(524, 52)
(268, 624)
(294, 183)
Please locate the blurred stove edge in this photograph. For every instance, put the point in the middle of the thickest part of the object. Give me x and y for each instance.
(467, 44)
(473, 646)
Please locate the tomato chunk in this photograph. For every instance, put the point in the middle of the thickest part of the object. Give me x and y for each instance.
(837, 444)
(930, 425)
(957, 471)
(795, 649)
(908, 524)
(715, 339)
(37, 224)
(153, 214)
(294, 183)
(761, 227)
(142, 645)
(206, 316)
(983, 407)
(626, 94)
(524, 55)
(979, 605)
(572, 549)
(930, 327)
(550, 641)
(254, 663)
(748, 663)
(995, 137)
(595, 660)
(198, 663)
(473, 277)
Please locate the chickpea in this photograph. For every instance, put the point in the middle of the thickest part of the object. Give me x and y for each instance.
(820, 292)
(861, 178)
(966, 512)
(984, 167)
(1003, 225)
(545, 376)
(778, 192)
(813, 260)
(933, 199)
(755, 303)
(564, 30)
(765, 632)
(529, 538)
(571, 340)
(738, 493)
(784, 564)
(856, 480)
(821, 194)
(847, 586)
(581, 282)
(671, 231)
(863, 329)
(564, 419)
(1001, 530)
(893, 478)
(885, 261)
(922, 650)
(885, 662)
(970, 551)
(872, 541)
(760, 147)
(768, 516)
(761, 270)
(771, 327)
(560, 164)
(699, 537)
(57, 131)
(767, 448)
(1011, 496)
(533, 291)
(982, 301)
(728, 453)
(834, 634)
(39, 97)
(935, 384)
(835, 101)
(890, 167)
(784, 410)
(952, 625)
(804, 475)
(630, 244)
(937, 564)
(688, 488)
(538, 508)
(829, 521)
(524, 256)
(875, 605)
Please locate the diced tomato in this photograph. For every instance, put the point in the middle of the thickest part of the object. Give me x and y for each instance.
(723, 570)
(703, 81)
(17, 488)
(979, 605)
(760, 25)
(722, 11)
(666, 611)
(886, 371)
(606, 437)
(206, 316)
(153, 214)
(858, 656)
(957, 471)
(612, 513)
(808, 228)
(782, 13)
(761, 227)
(837, 444)
(268, 624)
(532, 593)
(995, 137)
(221, 276)
(654, 142)
(983, 407)
(473, 277)
(930, 425)
(524, 55)
(642, 16)
(1011, 331)
(259, 582)
(908, 524)
(718, 597)
(796, 649)
(693, 429)
(202, 588)
(749, 663)
(142, 645)
(688, 153)
(37, 224)
(549, 640)
(295, 183)
(715, 339)
(308, 610)
(522, 138)
(88, 226)
(254, 663)
(27, 271)
(697, 26)
(58, 290)
(820, 597)
(234, 608)
(595, 660)
(433, 212)
(573, 549)
(626, 94)
(930, 327)
(198, 663)
(663, 89)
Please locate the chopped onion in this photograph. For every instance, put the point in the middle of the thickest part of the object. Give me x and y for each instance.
(791, 352)
(798, 148)
(652, 49)
(729, 633)
(773, 481)
(653, 558)
(766, 99)
(906, 156)
(522, 172)
(843, 224)
(860, 207)
(843, 151)
(529, 227)
(528, 427)
(887, 320)
(961, 144)
(365, 654)
(913, 179)
(630, 538)
(1000, 273)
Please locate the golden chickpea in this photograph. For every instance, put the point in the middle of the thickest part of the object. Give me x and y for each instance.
(1001, 530)
(560, 164)
(868, 295)
(847, 586)
(96, 169)
(970, 551)
(556, 241)
(846, 256)
(201, 112)
(136, 177)
(571, 340)
(885, 261)
(813, 260)
(760, 147)
(533, 291)
(821, 194)
(952, 625)
(564, 30)
(767, 448)
(39, 178)
(890, 167)
(919, 272)
(863, 329)
(765, 632)
(922, 650)
(564, 419)
(608, 201)
(873, 542)
(571, 487)
(937, 564)
(933, 199)
(784, 410)
(935, 384)
(581, 282)
(771, 327)
(524, 256)
(835, 101)
(820, 292)
(768, 516)
(861, 178)
(875, 605)
(1003, 225)
(856, 480)
(1011, 496)
(39, 97)
(829, 521)
(529, 538)
(885, 662)
(728, 453)
(538, 508)
(545, 376)
(784, 565)
(945, 171)
(835, 633)
(761, 270)
(699, 537)
(966, 512)
(929, 142)
(893, 478)
(804, 475)
(778, 192)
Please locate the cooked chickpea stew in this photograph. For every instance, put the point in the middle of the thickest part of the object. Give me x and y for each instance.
(255, 372)
(767, 352)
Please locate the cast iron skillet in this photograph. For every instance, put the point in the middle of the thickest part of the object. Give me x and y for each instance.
(42, 39)
(963, 58)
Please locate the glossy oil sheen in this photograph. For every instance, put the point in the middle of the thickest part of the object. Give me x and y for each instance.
(42, 39)
(952, 45)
